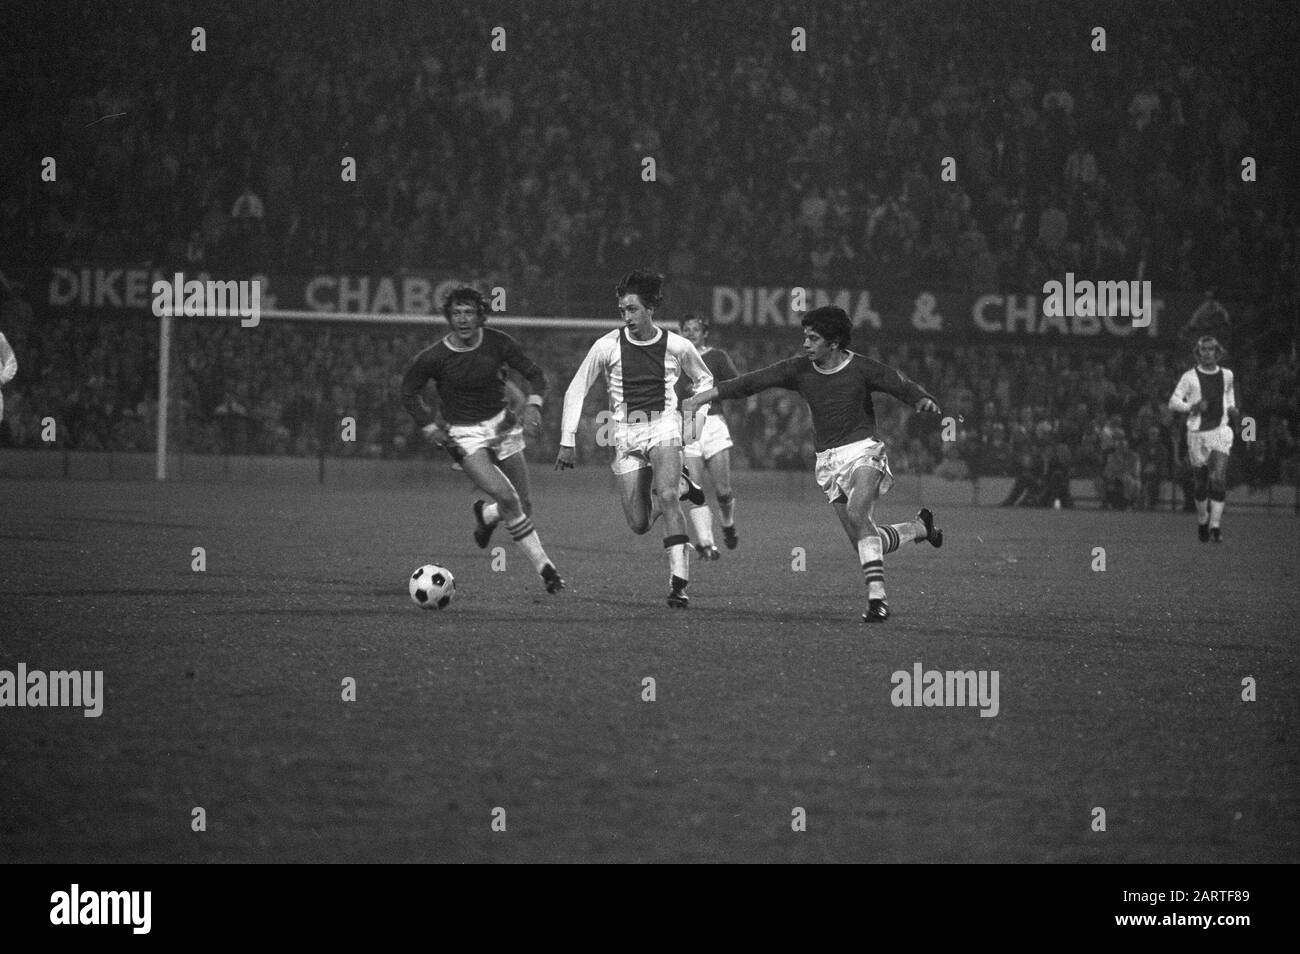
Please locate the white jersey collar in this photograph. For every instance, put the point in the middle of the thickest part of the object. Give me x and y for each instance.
(450, 338)
(844, 364)
(627, 334)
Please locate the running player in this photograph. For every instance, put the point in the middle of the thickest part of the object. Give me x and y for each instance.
(641, 363)
(1207, 395)
(711, 450)
(474, 423)
(852, 467)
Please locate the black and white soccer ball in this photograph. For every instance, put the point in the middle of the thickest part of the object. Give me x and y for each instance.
(432, 587)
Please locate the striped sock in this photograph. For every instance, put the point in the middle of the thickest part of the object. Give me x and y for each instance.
(891, 537)
(524, 533)
(873, 567)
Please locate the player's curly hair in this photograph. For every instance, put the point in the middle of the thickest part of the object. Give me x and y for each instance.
(1222, 352)
(464, 294)
(645, 284)
(832, 323)
(692, 316)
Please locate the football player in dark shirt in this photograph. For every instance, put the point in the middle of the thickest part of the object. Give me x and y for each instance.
(475, 425)
(711, 449)
(852, 468)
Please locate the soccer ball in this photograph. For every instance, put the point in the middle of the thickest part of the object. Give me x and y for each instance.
(432, 586)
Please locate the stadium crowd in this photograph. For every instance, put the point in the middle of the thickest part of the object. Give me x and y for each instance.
(1039, 414)
(525, 167)
(820, 167)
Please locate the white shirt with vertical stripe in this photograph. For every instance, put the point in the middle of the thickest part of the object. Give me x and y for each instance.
(640, 376)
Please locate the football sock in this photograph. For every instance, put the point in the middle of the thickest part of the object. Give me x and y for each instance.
(702, 521)
(1202, 511)
(727, 509)
(491, 513)
(894, 534)
(678, 561)
(1216, 513)
(1201, 483)
(873, 567)
(524, 533)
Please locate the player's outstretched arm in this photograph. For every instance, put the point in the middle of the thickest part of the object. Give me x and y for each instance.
(701, 379)
(1230, 397)
(413, 382)
(574, 397)
(697, 400)
(537, 385)
(1181, 400)
(891, 381)
(783, 374)
(927, 405)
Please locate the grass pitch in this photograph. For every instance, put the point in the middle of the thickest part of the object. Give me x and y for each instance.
(1119, 689)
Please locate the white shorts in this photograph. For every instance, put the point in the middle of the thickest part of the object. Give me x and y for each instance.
(1201, 443)
(714, 438)
(836, 465)
(634, 439)
(503, 435)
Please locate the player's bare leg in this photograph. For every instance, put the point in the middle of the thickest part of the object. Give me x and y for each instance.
(480, 468)
(515, 467)
(1218, 492)
(639, 507)
(874, 541)
(841, 509)
(922, 529)
(860, 505)
(487, 514)
(719, 468)
(701, 517)
(667, 461)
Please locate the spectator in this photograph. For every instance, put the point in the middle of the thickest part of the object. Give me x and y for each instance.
(1120, 482)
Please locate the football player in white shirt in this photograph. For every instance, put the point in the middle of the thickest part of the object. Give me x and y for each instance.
(1207, 395)
(641, 363)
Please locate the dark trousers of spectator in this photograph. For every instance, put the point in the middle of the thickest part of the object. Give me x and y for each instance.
(1151, 490)
(1026, 486)
(1057, 487)
(1117, 495)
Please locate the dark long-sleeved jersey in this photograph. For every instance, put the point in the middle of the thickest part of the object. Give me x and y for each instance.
(470, 383)
(723, 369)
(840, 400)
